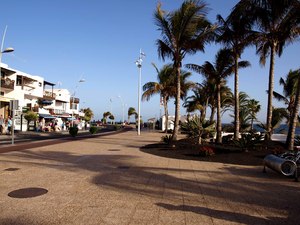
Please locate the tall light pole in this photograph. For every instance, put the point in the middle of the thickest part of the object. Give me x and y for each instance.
(139, 65)
(122, 108)
(80, 81)
(7, 50)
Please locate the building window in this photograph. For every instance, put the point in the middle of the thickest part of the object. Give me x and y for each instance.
(19, 80)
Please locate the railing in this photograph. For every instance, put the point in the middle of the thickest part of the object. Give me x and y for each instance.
(59, 111)
(76, 100)
(7, 83)
(49, 95)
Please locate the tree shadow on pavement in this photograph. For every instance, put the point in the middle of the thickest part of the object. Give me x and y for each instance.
(122, 173)
(224, 215)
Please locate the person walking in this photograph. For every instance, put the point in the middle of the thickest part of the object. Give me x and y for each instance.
(1, 124)
(9, 124)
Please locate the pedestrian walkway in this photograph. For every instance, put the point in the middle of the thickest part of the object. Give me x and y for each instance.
(30, 136)
(108, 180)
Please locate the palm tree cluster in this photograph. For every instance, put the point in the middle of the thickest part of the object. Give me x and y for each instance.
(268, 25)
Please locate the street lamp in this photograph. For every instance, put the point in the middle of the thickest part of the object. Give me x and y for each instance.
(80, 81)
(139, 65)
(7, 50)
(122, 108)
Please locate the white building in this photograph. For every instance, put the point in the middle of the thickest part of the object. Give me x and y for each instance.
(171, 120)
(33, 93)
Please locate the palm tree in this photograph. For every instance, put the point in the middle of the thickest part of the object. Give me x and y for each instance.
(112, 118)
(253, 107)
(131, 111)
(222, 68)
(279, 114)
(289, 90)
(165, 87)
(199, 100)
(235, 33)
(294, 117)
(277, 24)
(88, 114)
(105, 115)
(184, 31)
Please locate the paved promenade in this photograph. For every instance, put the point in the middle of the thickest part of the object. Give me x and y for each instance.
(108, 180)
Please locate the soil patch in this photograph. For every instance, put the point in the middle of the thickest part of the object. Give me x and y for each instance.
(223, 154)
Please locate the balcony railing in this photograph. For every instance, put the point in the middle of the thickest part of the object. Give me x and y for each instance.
(76, 100)
(49, 95)
(7, 83)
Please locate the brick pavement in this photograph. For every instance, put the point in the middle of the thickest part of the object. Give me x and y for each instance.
(108, 180)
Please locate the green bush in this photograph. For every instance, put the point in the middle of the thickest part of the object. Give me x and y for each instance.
(93, 130)
(249, 141)
(166, 139)
(196, 129)
(117, 127)
(73, 131)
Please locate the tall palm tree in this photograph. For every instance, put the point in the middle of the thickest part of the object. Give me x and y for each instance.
(253, 107)
(288, 95)
(165, 87)
(88, 114)
(105, 115)
(277, 24)
(199, 100)
(235, 33)
(131, 111)
(294, 116)
(184, 31)
(221, 69)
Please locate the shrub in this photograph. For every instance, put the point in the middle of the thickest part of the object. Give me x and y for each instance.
(73, 131)
(93, 130)
(166, 139)
(206, 151)
(249, 141)
(228, 139)
(117, 127)
(196, 129)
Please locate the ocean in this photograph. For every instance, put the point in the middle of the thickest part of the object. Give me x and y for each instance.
(282, 129)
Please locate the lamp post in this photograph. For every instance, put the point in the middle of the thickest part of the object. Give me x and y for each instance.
(122, 108)
(139, 65)
(7, 50)
(80, 81)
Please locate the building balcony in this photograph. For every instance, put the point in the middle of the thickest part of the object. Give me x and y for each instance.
(74, 100)
(49, 95)
(7, 83)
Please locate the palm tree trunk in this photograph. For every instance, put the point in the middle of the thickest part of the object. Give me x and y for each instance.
(293, 122)
(166, 114)
(177, 107)
(270, 94)
(236, 101)
(203, 110)
(212, 115)
(219, 124)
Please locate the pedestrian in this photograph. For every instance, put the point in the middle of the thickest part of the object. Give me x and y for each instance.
(1, 124)
(9, 124)
(67, 125)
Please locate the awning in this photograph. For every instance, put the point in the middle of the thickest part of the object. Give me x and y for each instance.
(4, 99)
(65, 115)
(47, 116)
(45, 102)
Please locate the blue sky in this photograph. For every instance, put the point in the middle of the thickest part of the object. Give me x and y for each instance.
(66, 40)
